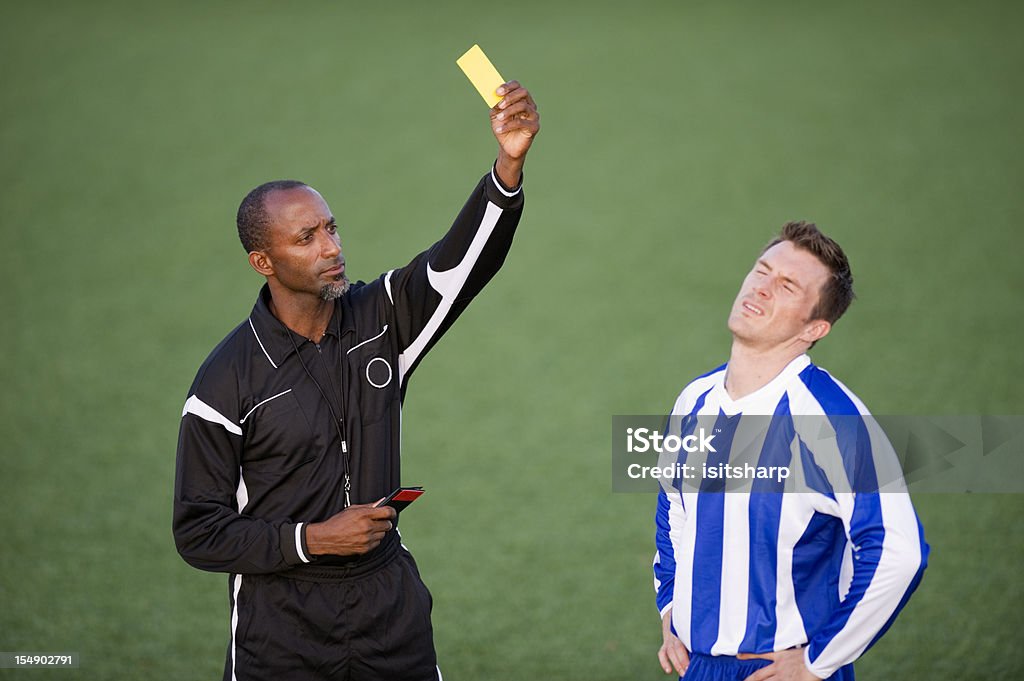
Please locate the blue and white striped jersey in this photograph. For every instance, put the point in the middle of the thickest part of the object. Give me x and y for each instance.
(756, 570)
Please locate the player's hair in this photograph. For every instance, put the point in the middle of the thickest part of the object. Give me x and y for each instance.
(837, 293)
(253, 219)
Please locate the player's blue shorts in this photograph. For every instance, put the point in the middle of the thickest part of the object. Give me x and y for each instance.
(720, 668)
(728, 668)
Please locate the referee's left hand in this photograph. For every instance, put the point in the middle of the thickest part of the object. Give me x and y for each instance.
(787, 665)
(358, 529)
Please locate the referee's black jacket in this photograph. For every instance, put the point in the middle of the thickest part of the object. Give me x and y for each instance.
(259, 454)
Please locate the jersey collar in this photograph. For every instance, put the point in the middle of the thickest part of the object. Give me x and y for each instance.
(273, 336)
(767, 396)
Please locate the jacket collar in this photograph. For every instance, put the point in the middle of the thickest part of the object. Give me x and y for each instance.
(276, 340)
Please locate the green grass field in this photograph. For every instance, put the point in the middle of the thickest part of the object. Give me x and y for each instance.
(676, 138)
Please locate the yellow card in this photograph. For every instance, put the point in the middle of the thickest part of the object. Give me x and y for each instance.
(481, 73)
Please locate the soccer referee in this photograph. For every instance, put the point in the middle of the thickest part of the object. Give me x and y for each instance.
(291, 430)
(784, 579)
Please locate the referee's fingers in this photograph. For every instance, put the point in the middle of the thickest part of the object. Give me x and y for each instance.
(520, 107)
(508, 86)
(513, 93)
(381, 512)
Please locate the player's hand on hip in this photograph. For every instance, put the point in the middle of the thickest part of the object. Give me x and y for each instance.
(672, 655)
(786, 665)
(358, 529)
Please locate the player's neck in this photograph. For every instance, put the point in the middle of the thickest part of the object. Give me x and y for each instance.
(751, 368)
(304, 314)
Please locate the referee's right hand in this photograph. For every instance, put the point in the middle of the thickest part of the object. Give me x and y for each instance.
(356, 530)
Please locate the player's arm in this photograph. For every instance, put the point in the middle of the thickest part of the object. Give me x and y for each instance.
(889, 551)
(428, 294)
(665, 552)
(672, 654)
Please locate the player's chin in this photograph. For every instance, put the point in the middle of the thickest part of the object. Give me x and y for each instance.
(743, 327)
(737, 323)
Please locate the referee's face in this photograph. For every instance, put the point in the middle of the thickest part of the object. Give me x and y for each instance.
(304, 247)
(774, 305)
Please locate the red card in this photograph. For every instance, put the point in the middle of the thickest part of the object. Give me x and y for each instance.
(401, 497)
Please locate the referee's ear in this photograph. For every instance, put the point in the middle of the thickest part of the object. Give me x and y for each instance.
(815, 331)
(260, 262)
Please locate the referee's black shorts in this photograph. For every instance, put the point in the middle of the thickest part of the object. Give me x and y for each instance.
(365, 624)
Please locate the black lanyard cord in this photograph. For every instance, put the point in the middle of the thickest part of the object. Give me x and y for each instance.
(339, 423)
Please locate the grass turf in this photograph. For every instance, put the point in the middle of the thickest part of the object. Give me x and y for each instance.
(676, 139)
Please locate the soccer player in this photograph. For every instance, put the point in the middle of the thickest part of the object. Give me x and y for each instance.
(784, 579)
(291, 430)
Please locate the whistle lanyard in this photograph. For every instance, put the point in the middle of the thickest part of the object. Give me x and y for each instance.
(339, 421)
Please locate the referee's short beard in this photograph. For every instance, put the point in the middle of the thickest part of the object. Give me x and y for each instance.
(334, 290)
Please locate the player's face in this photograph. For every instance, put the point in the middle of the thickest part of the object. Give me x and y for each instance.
(775, 302)
(305, 248)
